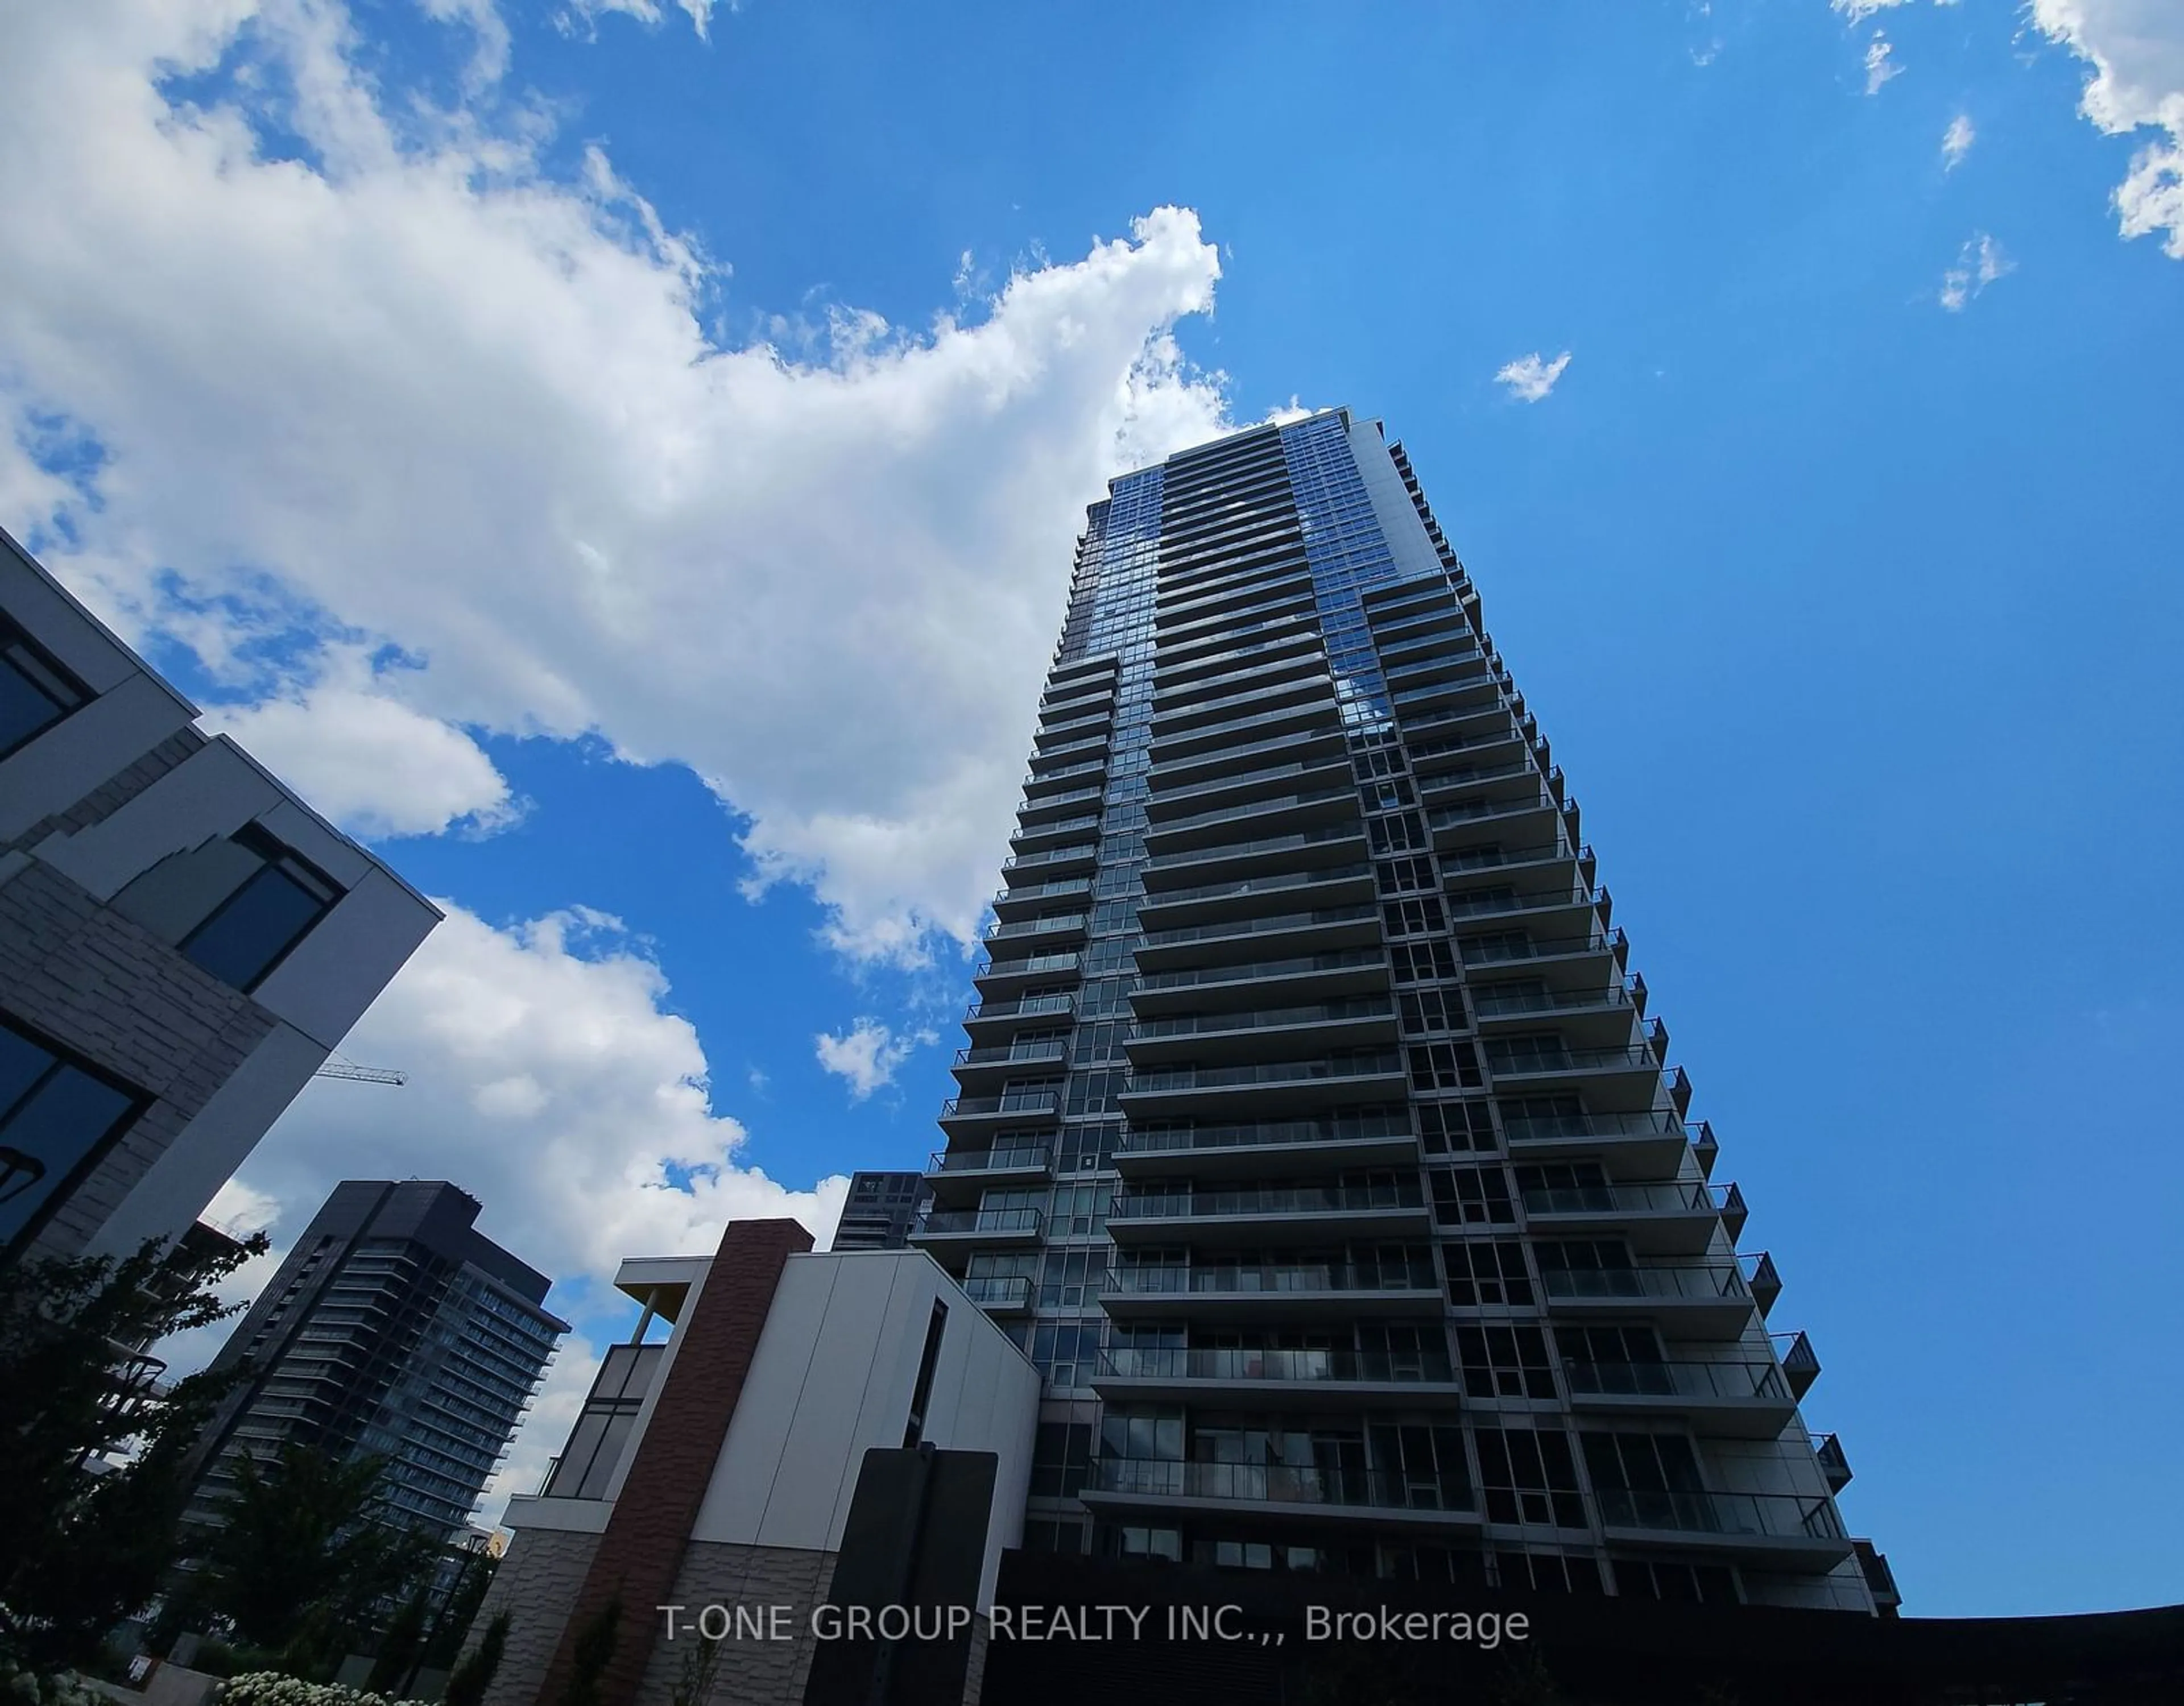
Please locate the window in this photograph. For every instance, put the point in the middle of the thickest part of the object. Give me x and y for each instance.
(1072, 1278)
(587, 1464)
(1644, 1480)
(1530, 1476)
(1444, 1066)
(1406, 875)
(1483, 1276)
(1100, 1043)
(1505, 1361)
(1413, 917)
(36, 692)
(1061, 1459)
(1421, 962)
(1444, 1127)
(1692, 1583)
(252, 931)
(58, 1117)
(1097, 1092)
(921, 1394)
(1470, 1196)
(1433, 1010)
(1550, 1572)
(1401, 834)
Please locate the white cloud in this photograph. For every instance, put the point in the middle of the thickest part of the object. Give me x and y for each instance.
(1878, 70)
(548, 1078)
(1530, 377)
(370, 763)
(403, 387)
(868, 1055)
(585, 13)
(1858, 11)
(1979, 263)
(1957, 141)
(2137, 50)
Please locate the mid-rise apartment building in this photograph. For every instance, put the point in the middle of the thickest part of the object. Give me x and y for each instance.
(1316, 1138)
(393, 1327)
(182, 941)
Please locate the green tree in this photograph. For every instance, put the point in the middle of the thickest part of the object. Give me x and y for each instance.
(298, 1565)
(473, 1675)
(81, 1550)
(593, 1651)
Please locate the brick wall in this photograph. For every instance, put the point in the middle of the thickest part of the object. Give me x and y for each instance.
(123, 999)
(538, 1581)
(641, 1555)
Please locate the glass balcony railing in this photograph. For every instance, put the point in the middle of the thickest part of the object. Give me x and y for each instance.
(1513, 947)
(1031, 1007)
(1267, 844)
(1786, 1516)
(1257, 927)
(1271, 1279)
(1666, 1196)
(999, 1290)
(1157, 1140)
(1265, 1018)
(1467, 907)
(1490, 1003)
(1254, 808)
(1014, 1159)
(1238, 779)
(1031, 1104)
(1014, 1054)
(1279, 1484)
(1728, 1382)
(1684, 1281)
(1265, 1199)
(973, 1222)
(1547, 1128)
(1417, 1368)
(1349, 959)
(1376, 1065)
(1052, 856)
(1036, 927)
(1245, 887)
(1546, 1061)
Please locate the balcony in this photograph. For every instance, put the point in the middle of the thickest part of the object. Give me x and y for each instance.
(970, 1114)
(1668, 1218)
(1054, 832)
(992, 977)
(1273, 1292)
(1746, 1400)
(1349, 971)
(987, 1228)
(1179, 699)
(1283, 1084)
(989, 1064)
(999, 1294)
(1298, 809)
(1284, 1213)
(1286, 1379)
(1054, 861)
(1338, 844)
(1310, 716)
(1298, 640)
(1027, 1008)
(1063, 929)
(1481, 681)
(1457, 718)
(1263, 1034)
(1328, 884)
(1319, 744)
(1445, 661)
(1049, 811)
(1546, 956)
(1689, 1300)
(1834, 1463)
(1183, 802)
(1010, 903)
(1278, 1492)
(1044, 784)
(1635, 1145)
(1322, 930)
(1781, 1530)
(1531, 814)
(1342, 1140)
(1021, 1163)
(1626, 1079)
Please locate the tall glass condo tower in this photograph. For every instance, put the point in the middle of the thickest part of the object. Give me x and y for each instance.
(1314, 1137)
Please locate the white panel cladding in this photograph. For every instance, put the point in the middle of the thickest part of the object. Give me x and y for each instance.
(215, 791)
(336, 970)
(57, 767)
(833, 1378)
(204, 1155)
(1398, 516)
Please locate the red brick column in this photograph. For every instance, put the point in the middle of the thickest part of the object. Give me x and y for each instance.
(640, 1554)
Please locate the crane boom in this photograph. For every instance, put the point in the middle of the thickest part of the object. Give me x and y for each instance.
(338, 1067)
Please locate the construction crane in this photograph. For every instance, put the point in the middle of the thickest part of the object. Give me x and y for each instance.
(340, 1066)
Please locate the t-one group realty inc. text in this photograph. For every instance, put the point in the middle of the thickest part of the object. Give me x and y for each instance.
(1083, 1622)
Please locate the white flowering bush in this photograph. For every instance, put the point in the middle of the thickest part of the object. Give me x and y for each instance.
(21, 1688)
(272, 1688)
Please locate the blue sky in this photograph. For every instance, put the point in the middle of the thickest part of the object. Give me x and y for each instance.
(534, 430)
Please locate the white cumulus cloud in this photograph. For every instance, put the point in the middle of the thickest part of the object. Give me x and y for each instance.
(388, 383)
(2137, 50)
(1957, 141)
(1878, 67)
(1858, 11)
(1979, 263)
(868, 1055)
(1530, 377)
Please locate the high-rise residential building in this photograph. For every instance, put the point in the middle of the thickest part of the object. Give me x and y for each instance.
(1315, 1138)
(879, 1211)
(182, 941)
(393, 1327)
